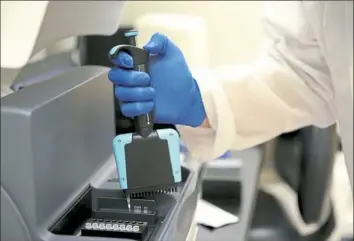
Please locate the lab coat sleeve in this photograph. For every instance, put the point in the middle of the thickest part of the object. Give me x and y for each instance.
(288, 88)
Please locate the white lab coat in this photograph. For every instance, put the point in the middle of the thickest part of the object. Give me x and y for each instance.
(304, 78)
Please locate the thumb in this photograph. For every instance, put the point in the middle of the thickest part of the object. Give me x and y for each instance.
(157, 44)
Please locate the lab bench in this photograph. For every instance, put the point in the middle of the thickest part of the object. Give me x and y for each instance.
(231, 184)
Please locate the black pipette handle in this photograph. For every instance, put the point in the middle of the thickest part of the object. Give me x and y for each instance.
(143, 123)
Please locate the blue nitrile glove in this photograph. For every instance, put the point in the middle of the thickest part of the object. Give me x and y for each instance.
(170, 89)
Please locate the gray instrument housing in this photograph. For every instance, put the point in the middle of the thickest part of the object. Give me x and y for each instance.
(56, 141)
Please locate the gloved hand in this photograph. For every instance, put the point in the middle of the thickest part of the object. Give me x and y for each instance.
(169, 89)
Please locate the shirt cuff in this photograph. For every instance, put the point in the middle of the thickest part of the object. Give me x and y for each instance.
(209, 143)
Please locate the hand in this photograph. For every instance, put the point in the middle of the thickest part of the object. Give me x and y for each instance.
(169, 89)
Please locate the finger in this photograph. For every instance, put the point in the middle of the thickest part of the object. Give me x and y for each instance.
(124, 60)
(137, 94)
(157, 44)
(129, 78)
(133, 109)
